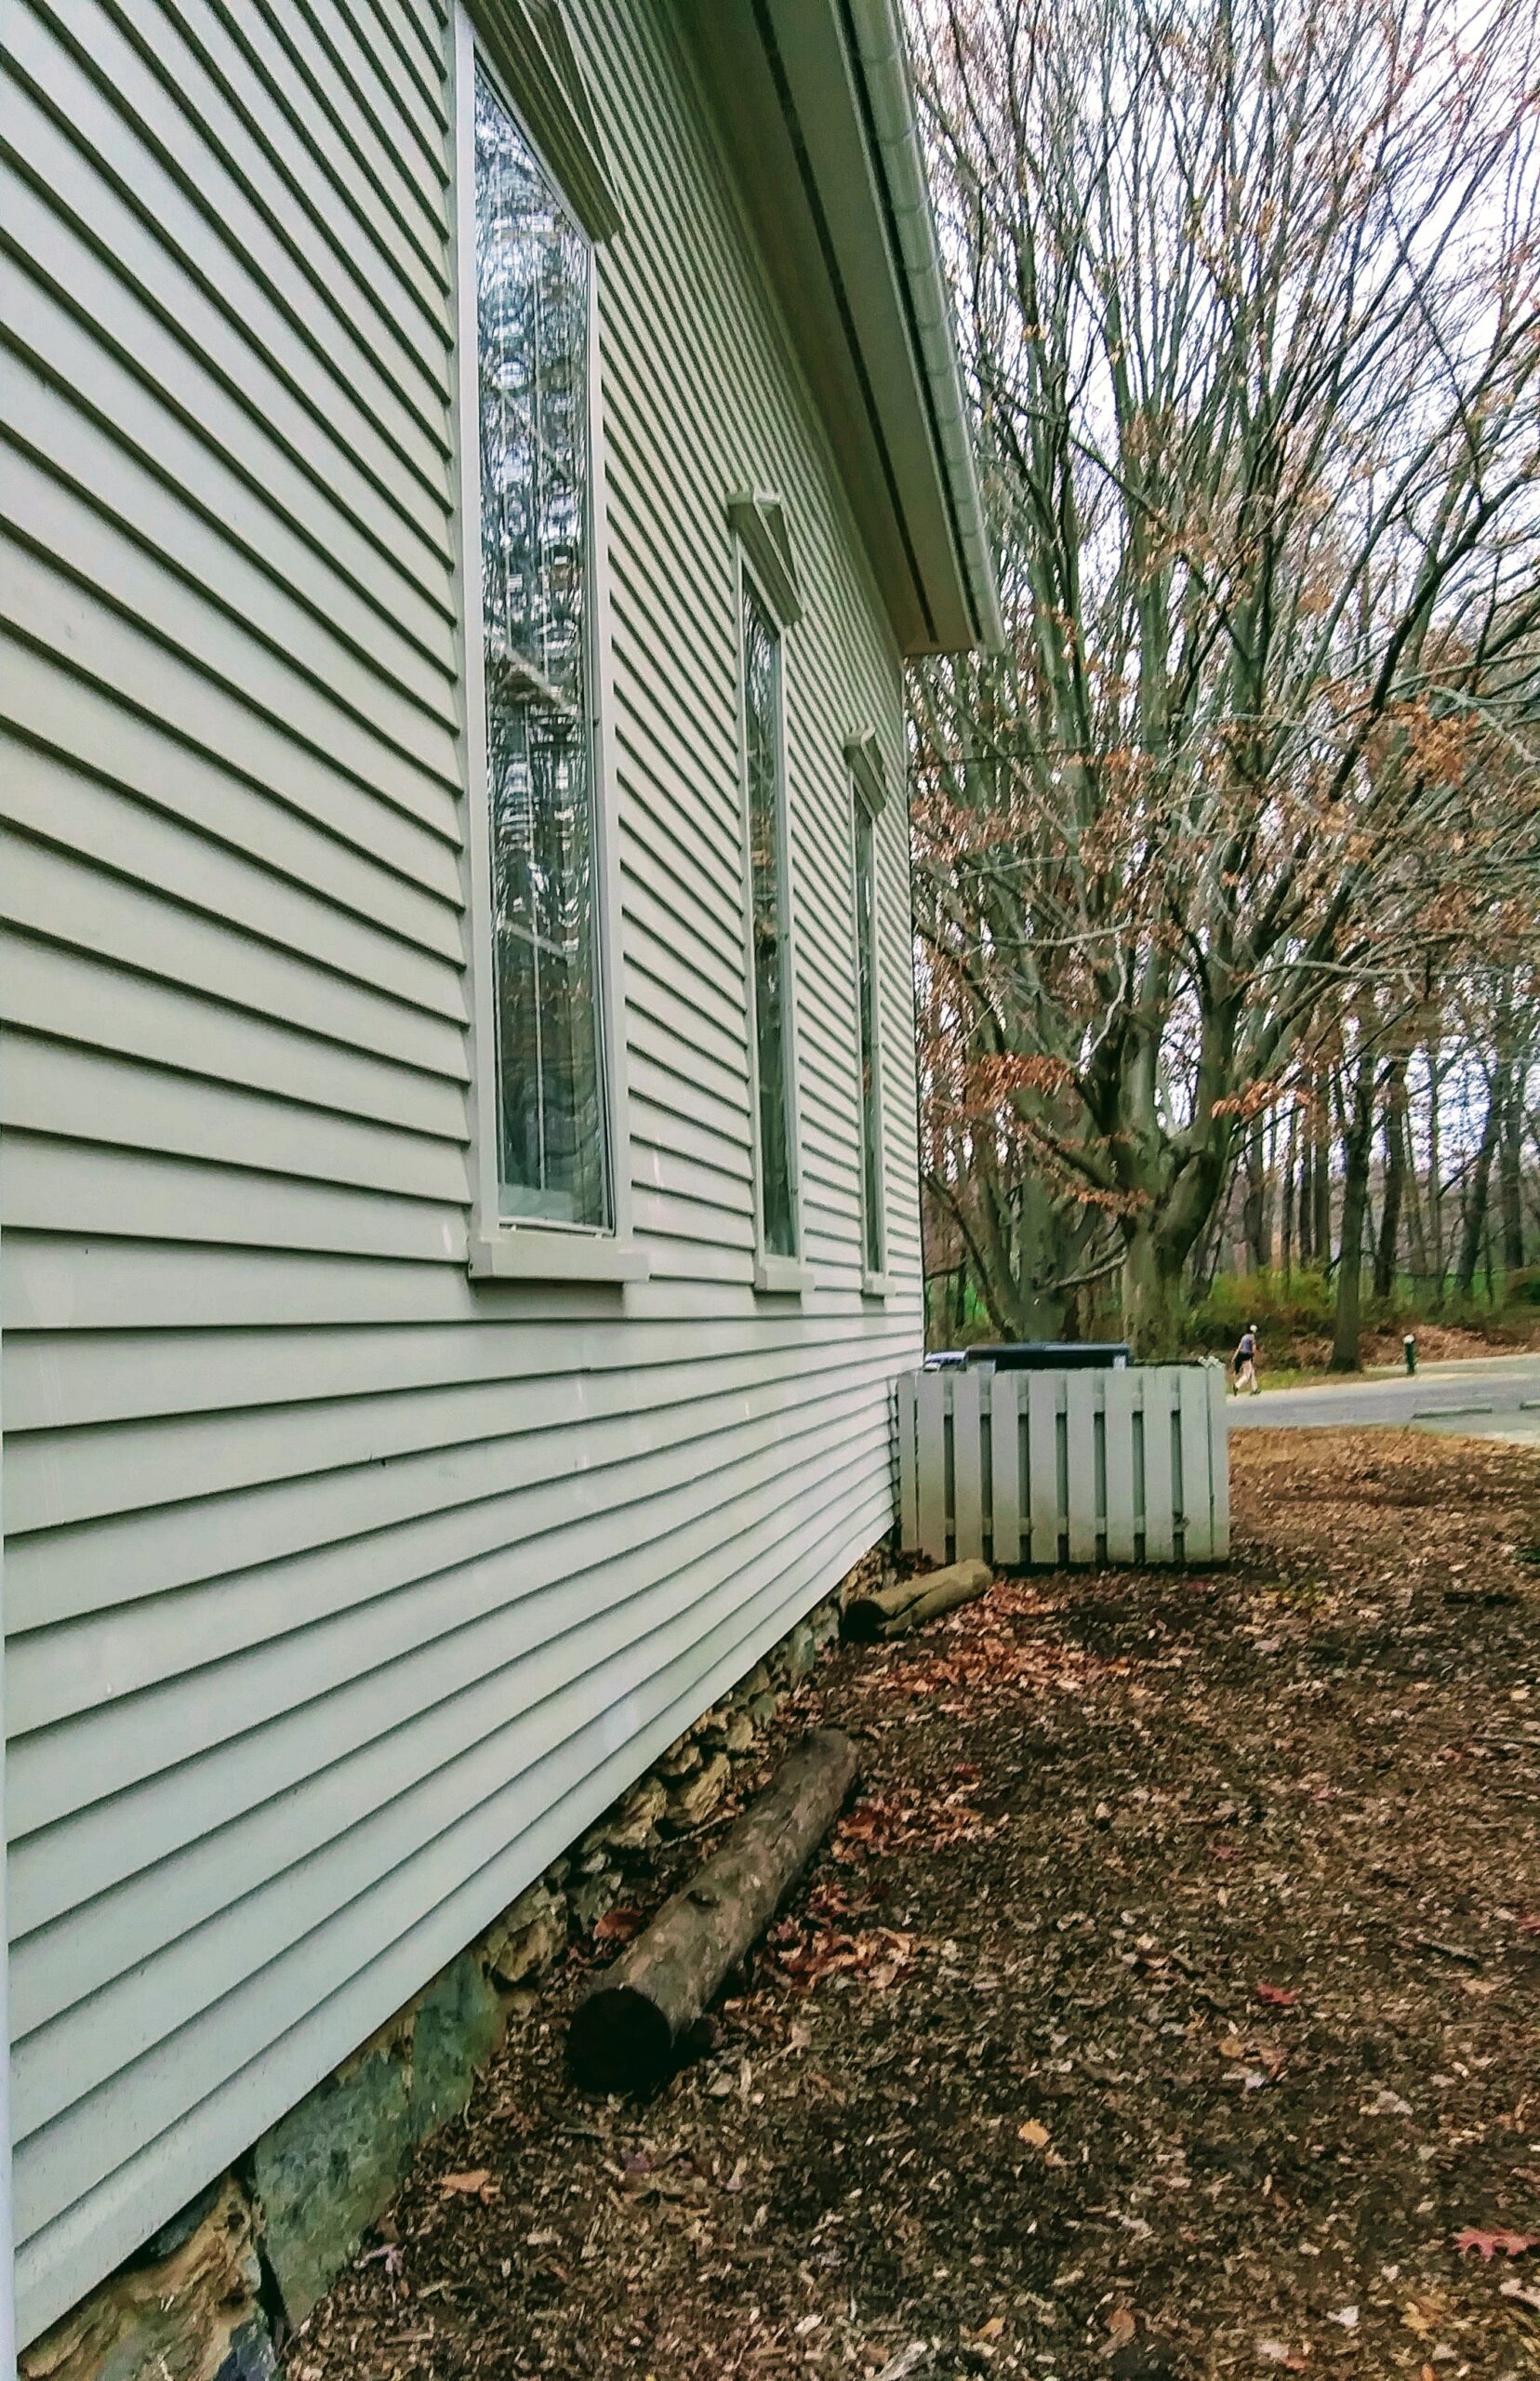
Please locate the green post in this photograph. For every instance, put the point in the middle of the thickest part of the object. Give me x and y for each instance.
(1410, 1348)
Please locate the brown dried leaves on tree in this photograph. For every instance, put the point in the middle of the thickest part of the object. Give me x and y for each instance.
(1249, 309)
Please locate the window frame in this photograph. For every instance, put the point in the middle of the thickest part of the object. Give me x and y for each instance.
(868, 794)
(527, 1247)
(775, 1273)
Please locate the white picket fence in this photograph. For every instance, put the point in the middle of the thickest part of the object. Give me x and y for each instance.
(1098, 1466)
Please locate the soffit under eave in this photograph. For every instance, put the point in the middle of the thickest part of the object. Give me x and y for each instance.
(779, 83)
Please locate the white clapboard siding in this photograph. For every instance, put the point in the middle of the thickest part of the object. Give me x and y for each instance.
(344, 1591)
(1073, 1466)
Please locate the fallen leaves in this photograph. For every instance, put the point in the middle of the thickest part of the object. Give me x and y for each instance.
(885, 1824)
(1063, 2084)
(985, 1667)
(1495, 2244)
(808, 1951)
(619, 1925)
(1421, 2316)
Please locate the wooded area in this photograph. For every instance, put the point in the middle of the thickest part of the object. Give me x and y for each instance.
(1226, 867)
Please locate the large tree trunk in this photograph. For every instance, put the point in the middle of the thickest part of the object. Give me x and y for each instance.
(1358, 1142)
(1387, 1248)
(1152, 1298)
(1473, 1230)
(1287, 1205)
(1020, 1251)
(1416, 1233)
(1257, 1222)
(629, 2024)
(1320, 1177)
(1435, 1164)
(1511, 1171)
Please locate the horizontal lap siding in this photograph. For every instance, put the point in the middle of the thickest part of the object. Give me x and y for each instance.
(342, 1591)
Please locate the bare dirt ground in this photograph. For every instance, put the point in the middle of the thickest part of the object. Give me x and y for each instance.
(1168, 2006)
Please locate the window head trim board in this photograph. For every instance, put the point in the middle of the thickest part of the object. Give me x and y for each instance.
(760, 526)
(864, 758)
(573, 840)
(529, 42)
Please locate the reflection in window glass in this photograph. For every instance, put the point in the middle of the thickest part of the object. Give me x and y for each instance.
(532, 318)
(765, 770)
(865, 995)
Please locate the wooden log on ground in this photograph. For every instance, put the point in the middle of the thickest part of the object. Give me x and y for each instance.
(893, 1609)
(626, 2029)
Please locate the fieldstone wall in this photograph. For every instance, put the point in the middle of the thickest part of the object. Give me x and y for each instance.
(214, 2295)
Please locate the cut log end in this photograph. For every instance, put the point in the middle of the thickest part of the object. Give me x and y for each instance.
(894, 1611)
(619, 2041)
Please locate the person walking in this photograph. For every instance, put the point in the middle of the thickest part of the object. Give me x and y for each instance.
(1243, 1363)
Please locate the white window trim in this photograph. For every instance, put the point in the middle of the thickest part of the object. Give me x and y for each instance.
(530, 1248)
(869, 793)
(529, 44)
(775, 1274)
(759, 522)
(864, 755)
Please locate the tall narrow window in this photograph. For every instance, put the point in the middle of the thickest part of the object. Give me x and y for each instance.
(765, 770)
(533, 272)
(865, 1002)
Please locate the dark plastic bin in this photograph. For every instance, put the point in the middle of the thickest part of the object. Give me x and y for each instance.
(1056, 1355)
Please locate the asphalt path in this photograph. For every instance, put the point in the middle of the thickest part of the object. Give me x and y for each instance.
(1495, 1397)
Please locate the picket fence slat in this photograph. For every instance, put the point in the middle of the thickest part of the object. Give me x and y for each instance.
(909, 1467)
(931, 1445)
(1218, 1445)
(1080, 1406)
(967, 1466)
(1005, 1466)
(1120, 1401)
(1197, 1481)
(1160, 1485)
(1122, 1465)
(1045, 1516)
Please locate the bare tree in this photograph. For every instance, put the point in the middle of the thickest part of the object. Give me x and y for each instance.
(1248, 291)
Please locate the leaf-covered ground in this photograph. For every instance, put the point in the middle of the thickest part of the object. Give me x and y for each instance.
(1167, 2005)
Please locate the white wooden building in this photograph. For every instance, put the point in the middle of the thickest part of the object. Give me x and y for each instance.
(469, 484)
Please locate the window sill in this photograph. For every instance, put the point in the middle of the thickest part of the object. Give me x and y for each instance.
(533, 1254)
(875, 1285)
(784, 1276)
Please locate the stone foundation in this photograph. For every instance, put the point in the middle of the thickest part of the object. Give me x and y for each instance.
(212, 2296)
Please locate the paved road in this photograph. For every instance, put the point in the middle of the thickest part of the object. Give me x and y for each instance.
(1495, 1397)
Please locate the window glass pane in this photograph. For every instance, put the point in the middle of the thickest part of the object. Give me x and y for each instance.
(866, 993)
(772, 989)
(532, 320)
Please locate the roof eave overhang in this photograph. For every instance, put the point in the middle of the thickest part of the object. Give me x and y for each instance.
(814, 101)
